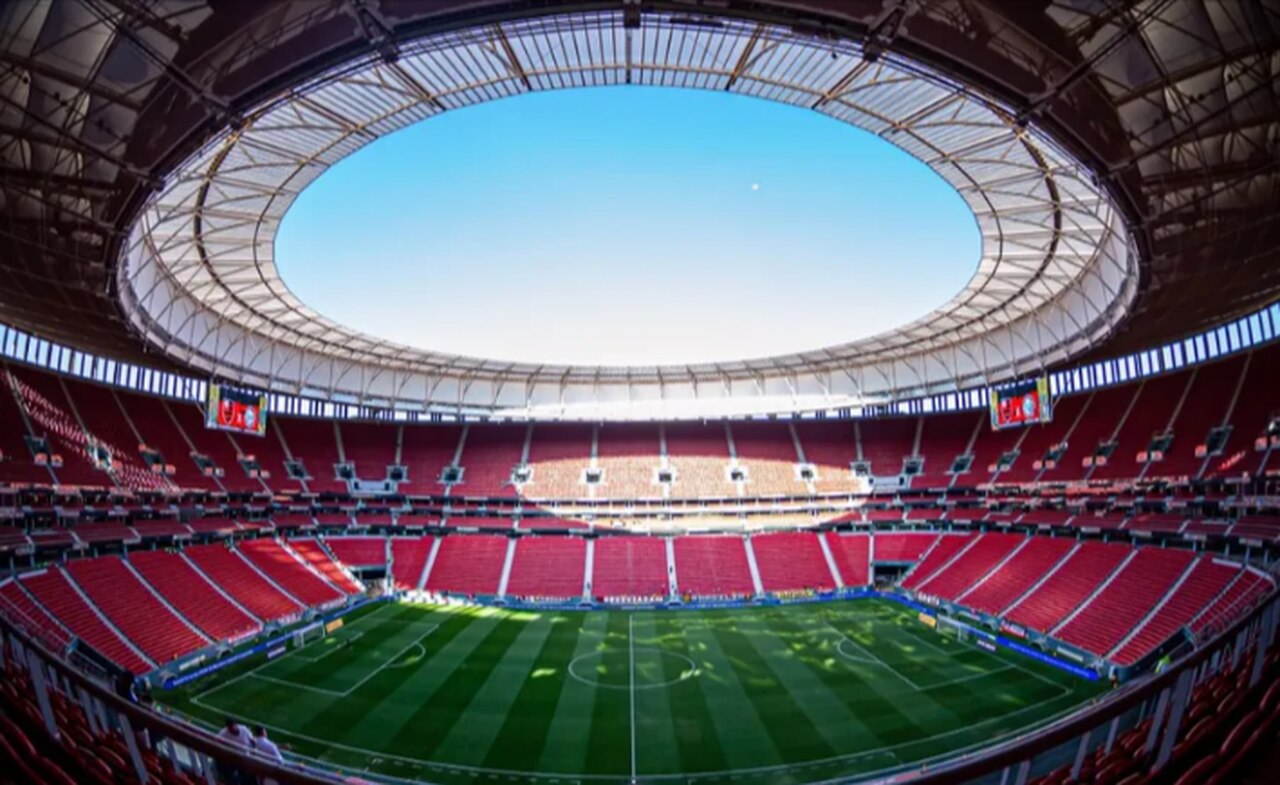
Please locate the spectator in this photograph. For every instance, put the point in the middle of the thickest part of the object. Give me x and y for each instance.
(238, 736)
(267, 747)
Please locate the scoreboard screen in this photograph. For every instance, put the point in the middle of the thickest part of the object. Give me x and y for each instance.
(1021, 404)
(231, 409)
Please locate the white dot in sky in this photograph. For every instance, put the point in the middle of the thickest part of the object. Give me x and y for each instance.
(755, 186)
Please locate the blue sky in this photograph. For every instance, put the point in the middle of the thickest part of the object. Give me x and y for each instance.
(627, 225)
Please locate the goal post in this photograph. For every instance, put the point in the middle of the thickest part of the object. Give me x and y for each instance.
(305, 636)
(950, 628)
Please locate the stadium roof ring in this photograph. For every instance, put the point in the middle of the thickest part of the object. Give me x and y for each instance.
(1058, 269)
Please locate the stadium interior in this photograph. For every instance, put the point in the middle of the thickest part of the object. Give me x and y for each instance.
(1030, 537)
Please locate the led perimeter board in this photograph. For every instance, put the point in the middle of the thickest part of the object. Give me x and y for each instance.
(232, 409)
(1021, 404)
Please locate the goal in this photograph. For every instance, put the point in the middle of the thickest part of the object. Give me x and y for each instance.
(308, 635)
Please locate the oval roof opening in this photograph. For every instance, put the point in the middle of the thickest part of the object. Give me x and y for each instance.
(627, 226)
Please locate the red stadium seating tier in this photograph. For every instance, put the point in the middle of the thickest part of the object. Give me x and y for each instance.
(988, 448)
(255, 593)
(1156, 522)
(986, 553)
(558, 455)
(1107, 522)
(314, 444)
(18, 466)
(1156, 400)
(133, 609)
(1250, 416)
(408, 559)
(19, 608)
(791, 561)
(831, 448)
(359, 551)
(1074, 580)
(713, 566)
(948, 546)
(187, 590)
(102, 416)
(630, 567)
(1207, 580)
(51, 417)
(161, 528)
(54, 592)
(220, 446)
(629, 457)
(1103, 414)
(768, 453)
(551, 524)
(852, 553)
(901, 546)
(548, 567)
(699, 454)
(1239, 597)
(1140, 586)
(944, 439)
(96, 533)
(478, 522)
(425, 450)
(314, 554)
(287, 572)
(1265, 528)
(1207, 402)
(1016, 576)
(891, 515)
(468, 564)
(1038, 439)
(159, 432)
(370, 446)
(1052, 519)
(886, 442)
(271, 457)
(488, 456)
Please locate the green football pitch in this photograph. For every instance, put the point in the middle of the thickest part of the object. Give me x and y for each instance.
(761, 695)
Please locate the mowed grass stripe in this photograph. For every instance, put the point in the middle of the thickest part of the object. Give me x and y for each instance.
(569, 727)
(689, 718)
(657, 662)
(350, 656)
(795, 735)
(609, 738)
(865, 689)
(944, 704)
(522, 737)
(745, 739)
(835, 723)
(773, 700)
(473, 732)
(455, 684)
(373, 714)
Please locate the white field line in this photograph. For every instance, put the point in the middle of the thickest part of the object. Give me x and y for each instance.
(493, 773)
(1012, 664)
(254, 671)
(873, 656)
(298, 654)
(344, 693)
(631, 646)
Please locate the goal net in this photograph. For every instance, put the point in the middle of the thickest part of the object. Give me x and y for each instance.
(951, 629)
(308, 635)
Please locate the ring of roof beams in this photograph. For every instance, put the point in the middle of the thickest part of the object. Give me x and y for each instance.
(1173, 102)
(1042, 220)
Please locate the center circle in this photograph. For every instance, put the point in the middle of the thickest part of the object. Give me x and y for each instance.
(611, 669)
